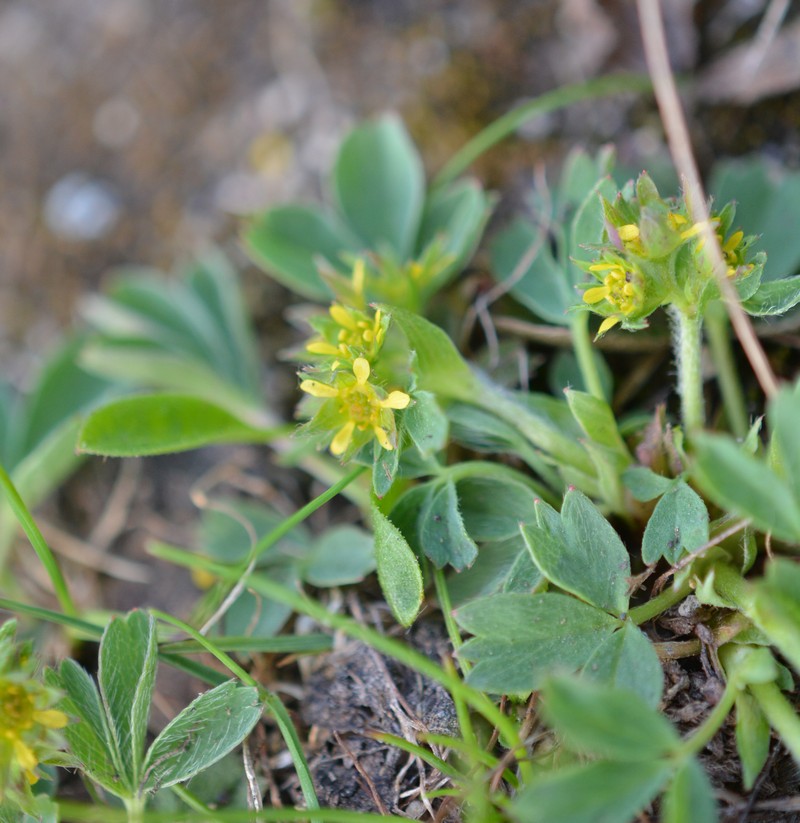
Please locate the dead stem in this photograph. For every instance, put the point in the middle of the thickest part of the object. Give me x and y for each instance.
(677, 133)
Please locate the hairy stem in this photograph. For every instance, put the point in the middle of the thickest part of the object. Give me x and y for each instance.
(686, 335)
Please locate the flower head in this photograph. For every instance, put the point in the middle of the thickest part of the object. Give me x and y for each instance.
(621, 294)
(347, 334)
(28, 721)
(356, 410)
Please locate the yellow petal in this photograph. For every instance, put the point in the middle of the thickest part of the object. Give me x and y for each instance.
(25, 756)
(361, 370)
(383, 438)
(343, 438)
(322, 347)
(733, 241)
(358, 276)
(396, 400)
(317, 389)
(342, 316)
(52, 718)
(607, 324)
(605, 267)
(629, 232)
(595, 295)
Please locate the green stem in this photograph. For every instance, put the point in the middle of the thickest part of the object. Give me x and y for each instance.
(39, 544)
(443, 595)
(719, 342)
(696, 742)
(656, 605)
(585, 355)
(780, 713)
(686, 336)
(385, 645)
(552, 101)
(134, 806)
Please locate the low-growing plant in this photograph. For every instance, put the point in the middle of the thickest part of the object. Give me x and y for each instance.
(553, 531)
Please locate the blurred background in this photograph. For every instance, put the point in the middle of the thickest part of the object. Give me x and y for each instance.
(137, 131)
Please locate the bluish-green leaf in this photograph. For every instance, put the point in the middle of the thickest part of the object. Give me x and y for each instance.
(601, 792)
(161, 423)
(679, 522)
(440, 368)
(426, 423)
(783, 414)
(398, 569)
(606, 721)
(521, 638)
(644, 484)
(88, 738)
(690, 796)
(379, 185)
(745, 485)
(492, 507)
(454, 216)
(589, 560)
(126, 674)
(752, 737)
(291, 241)
(205, 731)
(521, 258)
(628, 660)
(774, 297)
(441, 530)
(340, 556)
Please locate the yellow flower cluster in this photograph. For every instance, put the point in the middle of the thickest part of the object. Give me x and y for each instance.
(355, 409)
(28, 721)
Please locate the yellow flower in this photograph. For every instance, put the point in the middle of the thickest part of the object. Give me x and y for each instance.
(732, 254)
(26, 723)
(348, 333)
(360, 409)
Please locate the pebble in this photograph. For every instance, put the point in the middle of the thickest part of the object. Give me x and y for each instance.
(79, 207)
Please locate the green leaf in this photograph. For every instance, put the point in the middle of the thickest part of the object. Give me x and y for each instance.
(767, 200)
(454, 216)
(774, 297)
(644, 484)
(440, 369)
(783, 414)
(599, 424)
(290, 241)
(752, 738)
(161, 423)
(521, 638)
(678, 522)
(501, 566)
(205, 731)
(602, 792)
(606, 721)
(340, 556)
(379, 185)
(776, 607)
(441, 530)
(126, 673)
(398, 569)
(384, 469)
(521, 258)
(426, 423)
(88, 738)
(492, 507)
(588, 559)
(628, 660)
(689, 797)
(745, 485)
